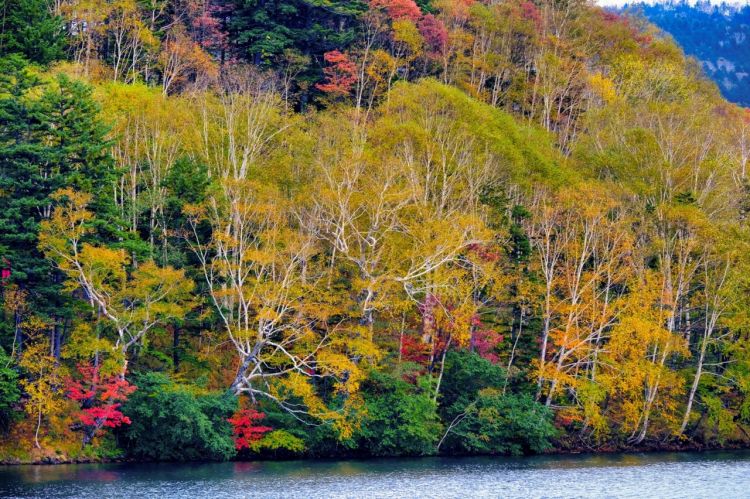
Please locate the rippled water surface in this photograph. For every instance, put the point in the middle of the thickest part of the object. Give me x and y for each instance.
(712, 474)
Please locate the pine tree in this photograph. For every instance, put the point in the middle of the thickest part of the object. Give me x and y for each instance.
(46, 143)
(274, 32)
(28, 28)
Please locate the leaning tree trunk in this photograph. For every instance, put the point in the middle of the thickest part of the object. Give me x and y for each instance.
(694, 387)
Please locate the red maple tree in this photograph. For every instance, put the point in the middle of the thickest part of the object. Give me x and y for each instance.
(208, 29)
(414, 349)
(340, 74)
(434, 33)
(531, 12)
(5, 271)
(398, 9)
(99, 397)
(484, 340)
(245, 428)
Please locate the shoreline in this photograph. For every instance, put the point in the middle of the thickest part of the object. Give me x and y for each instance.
(644, 449)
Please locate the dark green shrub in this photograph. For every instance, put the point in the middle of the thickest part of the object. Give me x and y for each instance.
(172, 422)
(484, 420)
(401, 418)
(501, 424)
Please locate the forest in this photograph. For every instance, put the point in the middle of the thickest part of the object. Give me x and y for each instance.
(243, 229)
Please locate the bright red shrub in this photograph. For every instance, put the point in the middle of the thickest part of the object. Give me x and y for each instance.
(414, 350)
(99, 397)
(245, 429)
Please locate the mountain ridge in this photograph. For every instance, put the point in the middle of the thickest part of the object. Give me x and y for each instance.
(717, 35)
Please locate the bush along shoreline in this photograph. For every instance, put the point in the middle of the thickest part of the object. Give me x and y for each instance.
(174, 422)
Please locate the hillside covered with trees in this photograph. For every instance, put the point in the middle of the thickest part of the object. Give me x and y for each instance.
(240, 229)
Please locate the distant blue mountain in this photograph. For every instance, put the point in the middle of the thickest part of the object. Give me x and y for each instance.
(717, 35)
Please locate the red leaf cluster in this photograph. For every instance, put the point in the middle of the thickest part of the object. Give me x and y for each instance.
(484, 252)
(485, 341)
(108, 416)
(206, 22)
(530, 12)
(398, 9)
(5, 272)
(415, 350)
(613, 17)
(435, 34)
(245, 429)
(431, 28)
(100, 397)
(340, 75)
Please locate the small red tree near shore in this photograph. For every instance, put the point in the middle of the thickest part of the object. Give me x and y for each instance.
(245, 428)
(99, 397)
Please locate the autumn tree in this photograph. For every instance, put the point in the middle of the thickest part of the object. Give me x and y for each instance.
(262, 261)
(246, 428)
(43, 380)
(132, 301)
(100, 397)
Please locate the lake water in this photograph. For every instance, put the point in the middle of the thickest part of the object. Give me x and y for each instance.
(710, 474)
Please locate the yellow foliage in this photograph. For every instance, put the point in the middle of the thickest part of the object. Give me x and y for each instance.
(603, 87)
(44, 375)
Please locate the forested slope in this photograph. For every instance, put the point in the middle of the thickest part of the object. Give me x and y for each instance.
(299, 228)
